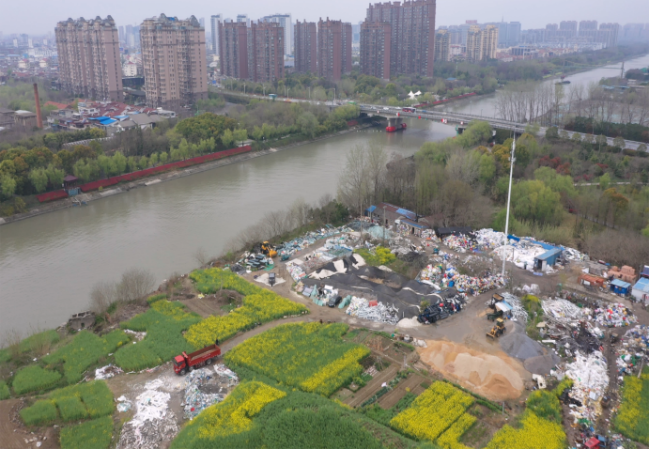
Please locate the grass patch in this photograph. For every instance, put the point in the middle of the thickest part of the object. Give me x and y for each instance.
(96, 434)
(34, 378)
(632, 417)
(86, 400)
(85, 350)
(260, 306)
(309, 356)
(4, 391)
(40, 341)
(545, 405)
(42, 412)
(164, 323)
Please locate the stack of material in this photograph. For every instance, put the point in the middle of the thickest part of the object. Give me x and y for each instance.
(287, 249)
(488, 239)
(380, 233)
(460, 243)
(430, 273)
(153, 421)
(203, 388)
(573, 254)
(518, 311)
(429, 234)
(590, 380)
(362, 308)
(614, 315)
(520, 253)
(561, 310)
(633, 347)
(475, 286)
(295, 270)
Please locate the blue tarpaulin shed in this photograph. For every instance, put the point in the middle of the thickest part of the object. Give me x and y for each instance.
(620, 287)
(550, 257)
(407, 213)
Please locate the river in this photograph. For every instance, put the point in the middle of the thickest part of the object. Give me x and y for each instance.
(486, 105)
(49, 263)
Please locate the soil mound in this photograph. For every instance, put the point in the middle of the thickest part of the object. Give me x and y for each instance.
(497, 377)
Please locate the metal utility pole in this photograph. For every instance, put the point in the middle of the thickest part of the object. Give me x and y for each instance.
(512, 164)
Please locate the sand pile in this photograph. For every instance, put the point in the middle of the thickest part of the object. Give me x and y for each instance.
(497, 377)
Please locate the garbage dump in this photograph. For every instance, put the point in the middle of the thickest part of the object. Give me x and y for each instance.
(518, 311)
(614, 315)
(561, 310)
(521, 253)
(108, 371)
(203, 387)
(295, 270)
(632, 351)
(153, 422)
(372, 311)
(443, 304)
(287, 249)
(590, 381)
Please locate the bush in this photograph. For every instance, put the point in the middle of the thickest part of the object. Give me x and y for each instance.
(4, 391)
(96, 434)
(308, 356)
(41, 412)
(34, 378)
(85, 350)
(380, 256)
(164, 324)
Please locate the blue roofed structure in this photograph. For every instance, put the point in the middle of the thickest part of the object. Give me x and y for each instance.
(620, 287)
(640, 290)
(549, 258)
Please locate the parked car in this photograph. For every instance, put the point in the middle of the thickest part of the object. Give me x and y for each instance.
(334, 301)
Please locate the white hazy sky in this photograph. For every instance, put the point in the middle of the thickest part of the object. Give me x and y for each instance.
(40, 16)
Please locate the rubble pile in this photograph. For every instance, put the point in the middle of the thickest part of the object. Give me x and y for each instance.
(489, 239)
(153, 421)
(295, 270)
(614, 315)
(287, 249)
(475, 286)
(372, 311)
(590, 380)
(632, 349)
(460, 243)
(204, 388)
(561, 310)
(108, 371)
(521, 253)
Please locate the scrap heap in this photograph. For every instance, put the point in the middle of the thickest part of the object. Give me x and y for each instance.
(373, 311)
(590, 380)
(204, 388)
(632, 351)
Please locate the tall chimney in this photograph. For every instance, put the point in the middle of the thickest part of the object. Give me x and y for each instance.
(39, 117)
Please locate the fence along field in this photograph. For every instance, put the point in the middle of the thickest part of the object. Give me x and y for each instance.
(308, 356)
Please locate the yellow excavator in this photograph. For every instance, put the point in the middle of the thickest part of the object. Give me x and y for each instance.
(268, 249)
(498, 329)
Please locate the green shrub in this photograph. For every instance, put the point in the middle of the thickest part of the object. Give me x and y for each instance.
(96, 434)
(41, 412)
(34, 378)
(85, 350)
(154, 298)
(71, 408)
(4, 391)
(567, 382)
(164, 324)
(380, 256)
(545, 405)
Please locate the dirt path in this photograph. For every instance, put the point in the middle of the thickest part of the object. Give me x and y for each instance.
(373, 386)
(16, 436)
(393, 397)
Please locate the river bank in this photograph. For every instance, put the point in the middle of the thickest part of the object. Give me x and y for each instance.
(84, 198)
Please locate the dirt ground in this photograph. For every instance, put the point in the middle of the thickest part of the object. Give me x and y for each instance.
(14, 435)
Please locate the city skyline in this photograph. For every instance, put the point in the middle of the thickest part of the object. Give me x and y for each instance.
(448, 13)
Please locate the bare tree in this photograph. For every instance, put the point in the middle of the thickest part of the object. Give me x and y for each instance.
(353, 182)
(376, 159)
(326, 204)
(11, 339)
(102, 295)
(135, 285)
(201, 257)
(462, 165)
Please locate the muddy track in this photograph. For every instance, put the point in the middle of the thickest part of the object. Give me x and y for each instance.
(373, 386)
(391, 398)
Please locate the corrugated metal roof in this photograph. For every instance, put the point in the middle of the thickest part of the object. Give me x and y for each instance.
(413, 223)
(619, 283)
(548, 254)
(642, 284)
(407, 213)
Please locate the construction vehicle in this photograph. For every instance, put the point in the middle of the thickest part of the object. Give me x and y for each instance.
(498, 329)
(268, 249)
(494, 315)
(188, 362)
(496, 298)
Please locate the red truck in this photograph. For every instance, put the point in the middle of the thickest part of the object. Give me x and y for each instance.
(196, 359)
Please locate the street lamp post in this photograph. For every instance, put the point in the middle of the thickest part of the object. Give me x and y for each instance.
(512, 164)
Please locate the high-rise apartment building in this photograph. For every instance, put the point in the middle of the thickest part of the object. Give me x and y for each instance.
(412, 34)
(610, 34)
(570, 27)
(588, 25)
(255, 52)
(441, 52)
(214, 32)
(375, 54)
(285, 22)
(266, 51)
(233, 49)
(635, 32)
(243, 18)
(306, 47)
(509, 33)
(334, 49)
(89, 58)
(482, 43)
(173, 61)
(120, 33)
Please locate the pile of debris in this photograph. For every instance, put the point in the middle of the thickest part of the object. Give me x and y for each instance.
(460, 243)
(153, 422)
(204, 388)
(632, 351)
(295, 270)
(518, 312)
(108, 371)
(372, 310)
(489, 239)
(590, 381)
(445, 303)
(561, 310)
(475, 286)
(614, 315)
(287, 249)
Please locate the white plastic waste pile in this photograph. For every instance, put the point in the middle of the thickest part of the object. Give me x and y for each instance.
(521, 254)
(590, 380)
(518, 311)
(632, 349)
(380, 313)
(153, 421)
(614, 315)
(561, 310)
(204, 387)
(108, 371)
(460, 243)
(574, 254)
(490, 239)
